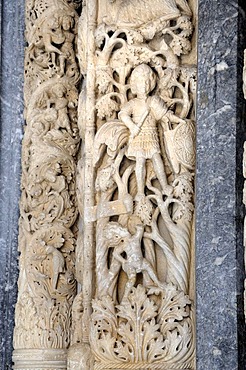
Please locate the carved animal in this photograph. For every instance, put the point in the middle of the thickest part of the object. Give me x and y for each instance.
(134, 13)
(134, 263)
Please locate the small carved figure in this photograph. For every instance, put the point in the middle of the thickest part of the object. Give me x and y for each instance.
(134, 263)
(60, 103)
(141, 115)
(67, 48)
(52, 34)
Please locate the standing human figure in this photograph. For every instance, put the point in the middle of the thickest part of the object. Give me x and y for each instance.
(141, 116)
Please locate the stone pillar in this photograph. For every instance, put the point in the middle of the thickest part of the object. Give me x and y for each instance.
(48, 204)
(219, 220)
(136, 183)
(11, 107)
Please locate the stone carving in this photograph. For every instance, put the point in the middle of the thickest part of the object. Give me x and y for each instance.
(137, 119)
(129, 258)
(48, 206)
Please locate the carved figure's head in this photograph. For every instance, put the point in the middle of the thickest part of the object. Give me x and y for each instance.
(59, 90)
(143, 80)
(53, 22)
(67, 22)
(115, 233)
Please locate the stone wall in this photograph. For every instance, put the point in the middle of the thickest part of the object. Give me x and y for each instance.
(219, 219)
(11, 107)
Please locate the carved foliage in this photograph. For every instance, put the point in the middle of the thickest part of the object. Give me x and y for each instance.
(142, 330)
(51, 28)
(48, 204)
(143, 159)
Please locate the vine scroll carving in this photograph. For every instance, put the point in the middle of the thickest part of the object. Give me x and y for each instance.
(48, 206)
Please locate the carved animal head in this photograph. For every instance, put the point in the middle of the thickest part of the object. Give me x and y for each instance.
(115, 233)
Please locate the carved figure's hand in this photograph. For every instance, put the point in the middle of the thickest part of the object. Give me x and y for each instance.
(134, 130)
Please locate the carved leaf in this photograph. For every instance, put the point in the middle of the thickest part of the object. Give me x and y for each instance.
(124, 351)
(106, 107)
(174, 307)
(104, 80)
(105, 309)
(178, 342)
(183, 191)
(103, 328)
(138, 327)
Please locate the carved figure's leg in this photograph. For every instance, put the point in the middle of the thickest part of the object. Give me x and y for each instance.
(129, 285)
(147, 267)
(140, 175)
(62, 65)
(53, 59)
(161, 175)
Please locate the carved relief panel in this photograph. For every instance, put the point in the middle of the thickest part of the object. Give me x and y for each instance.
(115, 287)
(48, 206)
(136, 184)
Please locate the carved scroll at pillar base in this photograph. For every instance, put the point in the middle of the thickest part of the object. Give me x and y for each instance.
(41, 359)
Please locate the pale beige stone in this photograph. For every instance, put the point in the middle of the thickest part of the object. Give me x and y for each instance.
(135, 180)
(124, 297)
(48, 206)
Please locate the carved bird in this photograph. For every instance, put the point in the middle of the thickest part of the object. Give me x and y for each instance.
(134, 13)
(58, 264)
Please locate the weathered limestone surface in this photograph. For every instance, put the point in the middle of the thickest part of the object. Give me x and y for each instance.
(137, 120)
(48, 204)
(219, 188)
(219, 242)
(11, 105)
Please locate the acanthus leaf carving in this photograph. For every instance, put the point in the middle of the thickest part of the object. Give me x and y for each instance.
(140, 331)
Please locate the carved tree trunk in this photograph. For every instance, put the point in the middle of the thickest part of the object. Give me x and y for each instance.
(136, 190)
(48, 206)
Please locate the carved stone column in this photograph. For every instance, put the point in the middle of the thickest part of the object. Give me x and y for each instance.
(136, 178)
(48, 205)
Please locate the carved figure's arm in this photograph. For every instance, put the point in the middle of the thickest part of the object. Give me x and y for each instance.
(139, 233)
(117, 254)
(173, 118)
(48, 46)
(125, 117)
